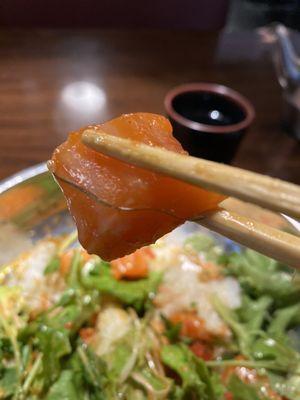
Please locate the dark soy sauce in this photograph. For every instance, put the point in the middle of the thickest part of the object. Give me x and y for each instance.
(208, 108)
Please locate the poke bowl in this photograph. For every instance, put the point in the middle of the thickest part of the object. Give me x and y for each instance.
(193, 316)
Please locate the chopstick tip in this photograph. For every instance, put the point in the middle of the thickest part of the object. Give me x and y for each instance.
(50, 166)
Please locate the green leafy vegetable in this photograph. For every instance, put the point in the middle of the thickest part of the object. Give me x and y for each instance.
(243, 335)
(242, 391)
(205, 244)
(283, 319)
(196, 380)
(9, 379)
(64, 388)
(54, 344)
(97, 275)
(253, 313)
(283, 356)
(172, 331)
(43, 357)
(260, 276)
(289, 387)
(52, 266)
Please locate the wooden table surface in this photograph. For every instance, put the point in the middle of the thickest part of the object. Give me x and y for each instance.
(54, 81)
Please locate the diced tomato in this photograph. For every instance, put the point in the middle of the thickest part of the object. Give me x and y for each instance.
(86, 334)
(192, 325)
(202, 350)
(133, 266)
(66, 260)
(228, 396)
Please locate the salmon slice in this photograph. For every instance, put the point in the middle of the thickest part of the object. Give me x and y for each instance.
(160, 203)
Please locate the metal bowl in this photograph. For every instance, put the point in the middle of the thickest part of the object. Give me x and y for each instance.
(32, 207)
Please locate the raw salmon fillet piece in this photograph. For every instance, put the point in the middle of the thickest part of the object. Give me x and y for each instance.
(110, 232)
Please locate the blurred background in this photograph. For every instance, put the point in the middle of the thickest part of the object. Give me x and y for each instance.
(204, 14)
(68, 63)
(249, 14)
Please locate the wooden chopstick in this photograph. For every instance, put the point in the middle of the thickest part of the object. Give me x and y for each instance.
(280, 245)
(274, 243)
(262, 190)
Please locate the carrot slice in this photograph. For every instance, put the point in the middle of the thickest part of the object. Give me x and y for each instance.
(192, 325)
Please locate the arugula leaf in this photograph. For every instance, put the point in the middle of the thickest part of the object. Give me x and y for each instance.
(252, 313)
(54, 330)
(74, 275)
(118, 358)
(93, 367)
(286, 387)
(52, 266)
(11, 319)
(64, 388)
(283, 319)
(172, 331)
(268, 348)
(97, 275)
(135, 393)
(196, 380)
(218, 385)
(83, 378)
(243, 335)
(242, 391)
(8, 382)
(260, 275)
(6, 349)
(54, 344)
(201, 243)
(147, 378)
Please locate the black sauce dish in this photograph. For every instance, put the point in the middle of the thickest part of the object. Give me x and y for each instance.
(208, 119)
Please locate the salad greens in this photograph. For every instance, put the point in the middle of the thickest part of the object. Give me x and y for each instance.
(196, 380)
(101, 338)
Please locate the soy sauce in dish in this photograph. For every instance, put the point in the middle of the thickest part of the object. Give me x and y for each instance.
(208, 108)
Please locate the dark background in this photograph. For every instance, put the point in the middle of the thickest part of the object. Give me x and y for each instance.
(176, 14)
(60, 58)
(249, 14)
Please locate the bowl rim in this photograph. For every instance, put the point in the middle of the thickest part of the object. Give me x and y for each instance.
(38, 169)
(225, 91)
(22, 176)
